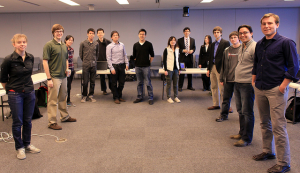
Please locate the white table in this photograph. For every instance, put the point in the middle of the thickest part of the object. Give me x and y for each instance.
(296, 86)
(187, 71)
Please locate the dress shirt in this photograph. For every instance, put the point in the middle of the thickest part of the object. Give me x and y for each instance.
(16, 73)
(116, 54)
(274, 62)
(217, 42)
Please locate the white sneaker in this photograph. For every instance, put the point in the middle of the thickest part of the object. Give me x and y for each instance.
(177, 100)
(92, 100)
(83, 100)
(21, 154)
(32, 149)
(170, 100)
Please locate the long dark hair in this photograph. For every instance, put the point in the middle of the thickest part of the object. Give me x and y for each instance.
(209, 38)
(170, 39)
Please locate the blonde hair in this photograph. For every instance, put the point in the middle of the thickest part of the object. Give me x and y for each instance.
(276, 17)
(17, 37)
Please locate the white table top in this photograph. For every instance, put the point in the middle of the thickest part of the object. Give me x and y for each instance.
(188, 71)
(130, 71)
(295, 86)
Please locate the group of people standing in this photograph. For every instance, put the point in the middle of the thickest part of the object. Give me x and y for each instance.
(246, 68)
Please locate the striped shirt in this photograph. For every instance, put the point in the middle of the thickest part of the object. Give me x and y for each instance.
(116, 54)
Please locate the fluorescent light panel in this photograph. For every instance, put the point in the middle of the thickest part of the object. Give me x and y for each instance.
(289, 0)
(69, 2)
(122, 1)
(1, 6)
(206, 1)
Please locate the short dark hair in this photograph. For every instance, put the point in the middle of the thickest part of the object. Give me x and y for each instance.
(217, 28)
(143, 30)
(68, 37)
(209, 38)
(113, 32)
(186, 28)
(91, 29)
(100, 29)
(170, 39)
(233, 33)
(245, 26)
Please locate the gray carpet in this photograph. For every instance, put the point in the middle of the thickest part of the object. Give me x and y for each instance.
(164, 137)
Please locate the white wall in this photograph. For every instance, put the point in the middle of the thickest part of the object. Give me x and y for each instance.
(160, 25)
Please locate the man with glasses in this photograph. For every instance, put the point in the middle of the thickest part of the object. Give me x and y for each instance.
(88, 52)
(214, 67)
(55, 62)
(275, 66)
(243, 91)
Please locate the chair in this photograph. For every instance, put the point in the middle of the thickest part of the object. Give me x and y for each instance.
(156, 64)
(36, 65)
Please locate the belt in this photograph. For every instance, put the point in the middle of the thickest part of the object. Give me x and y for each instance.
(119, 64)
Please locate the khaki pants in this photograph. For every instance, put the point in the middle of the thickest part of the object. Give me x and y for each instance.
(216, 87)
(57, 96)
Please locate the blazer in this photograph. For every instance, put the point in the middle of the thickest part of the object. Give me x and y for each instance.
(181, 46)
(203, 56)
(219, 54)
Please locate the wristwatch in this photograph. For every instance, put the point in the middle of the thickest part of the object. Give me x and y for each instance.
(49, 78)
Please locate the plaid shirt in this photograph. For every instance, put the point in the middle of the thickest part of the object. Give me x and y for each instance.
(70, 58)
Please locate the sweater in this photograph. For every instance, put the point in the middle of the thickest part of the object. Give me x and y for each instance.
(141, 54)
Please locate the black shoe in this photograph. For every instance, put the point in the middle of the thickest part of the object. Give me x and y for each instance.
(180, 89)
(105, 93)
(150, 102)
(263, 156)
(278, 169)
(137, 100)
(221, 118)
(191, 88)
(203, 89)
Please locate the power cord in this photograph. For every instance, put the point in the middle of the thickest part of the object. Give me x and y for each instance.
(4, 136)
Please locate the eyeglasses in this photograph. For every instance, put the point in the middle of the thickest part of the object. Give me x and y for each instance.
(59, 31)
(243, 33)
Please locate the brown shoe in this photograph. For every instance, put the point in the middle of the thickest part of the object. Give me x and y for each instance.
(70, 119)
(213, 107)
(122, 100)
(117, 101)
(230, 110)
(241, 143)
(238, 136)
(55, 126)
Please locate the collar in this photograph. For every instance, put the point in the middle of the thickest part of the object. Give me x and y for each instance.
(116, 43)
(219, 40)
(248, 43)
(16, 55)
(55, 42)
(276, 36)
(187, 38)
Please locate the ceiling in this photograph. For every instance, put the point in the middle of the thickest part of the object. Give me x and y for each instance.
(12, 6)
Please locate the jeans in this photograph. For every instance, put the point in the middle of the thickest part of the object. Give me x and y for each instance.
(244, 98)
(227, 96)
(88, 74)
(103, 83)
(70, 79)
(143, 74)
(172, 75)
(118, 80)
(22, 107)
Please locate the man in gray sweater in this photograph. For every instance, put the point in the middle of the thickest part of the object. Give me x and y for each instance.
(229, 62)
(243, 91)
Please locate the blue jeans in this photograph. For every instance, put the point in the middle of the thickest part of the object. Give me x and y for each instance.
(143, 74)
(172, 75)
(244, 98)
(227, 96)
(22, 107)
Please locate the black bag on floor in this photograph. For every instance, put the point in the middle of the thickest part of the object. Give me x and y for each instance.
(290, 109)
(41, 95)
(36, 112)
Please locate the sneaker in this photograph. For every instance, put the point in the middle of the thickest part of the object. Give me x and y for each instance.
(21, 154)
(170, 100)
(177, 100)
(55, 126)
(151, 102)
(32, 149)
(83, 100)
(137, 100)
(279, 168)
(92, 100)
(70, 104)
(105, 93)
(70, 119)
(241, 143)
(238, 136)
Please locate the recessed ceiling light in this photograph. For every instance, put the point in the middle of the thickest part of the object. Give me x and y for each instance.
(69, 2)
(289, 0)
(206, 1)
(1, 6)
(122, 1)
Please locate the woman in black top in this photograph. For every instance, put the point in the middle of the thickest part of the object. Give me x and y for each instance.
(16, 71)
(203, 61)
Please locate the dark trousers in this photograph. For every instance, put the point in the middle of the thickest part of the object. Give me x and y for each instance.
(206, 82)
(103, 83)
(69, 82)
(22, 107)
(227, 96)
(118, 80)
(244, 98)
(88, 74)
(188, 64)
